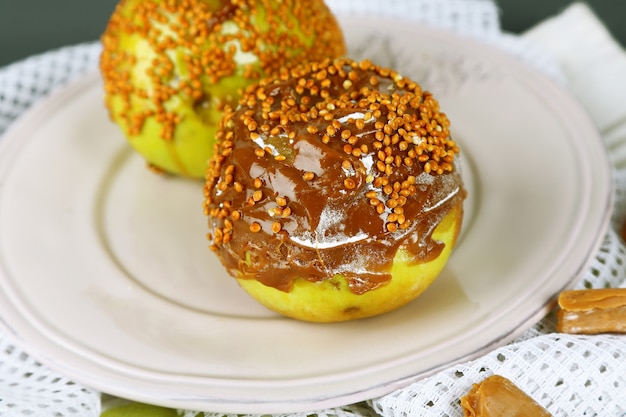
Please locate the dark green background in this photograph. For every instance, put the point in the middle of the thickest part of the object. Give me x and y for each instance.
(32, 26)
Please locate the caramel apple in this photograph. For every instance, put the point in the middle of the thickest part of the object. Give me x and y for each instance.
(334, 191)
(170, 66)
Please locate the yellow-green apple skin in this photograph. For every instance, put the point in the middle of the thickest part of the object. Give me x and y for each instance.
(347, 203)
(171, 66)
(332, 301)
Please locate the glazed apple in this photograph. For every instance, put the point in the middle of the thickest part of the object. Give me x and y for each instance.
(335, 192)
(171, 66)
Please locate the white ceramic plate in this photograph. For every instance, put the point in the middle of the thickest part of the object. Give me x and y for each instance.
(106, 274)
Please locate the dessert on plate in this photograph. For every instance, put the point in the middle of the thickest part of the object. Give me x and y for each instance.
(334, 191)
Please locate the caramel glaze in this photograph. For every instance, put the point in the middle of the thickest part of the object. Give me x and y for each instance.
(330, 168)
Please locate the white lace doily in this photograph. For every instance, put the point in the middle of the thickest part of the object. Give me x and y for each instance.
(569, 375)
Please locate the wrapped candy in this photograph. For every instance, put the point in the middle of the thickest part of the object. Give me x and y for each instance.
(497, 396)
(592, 311)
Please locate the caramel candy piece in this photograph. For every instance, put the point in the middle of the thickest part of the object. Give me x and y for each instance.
(497, 396)
(592, 311)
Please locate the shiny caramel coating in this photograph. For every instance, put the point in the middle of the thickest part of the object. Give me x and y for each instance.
(340, 164)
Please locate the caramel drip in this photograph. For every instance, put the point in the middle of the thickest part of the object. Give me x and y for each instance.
(321, 186)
